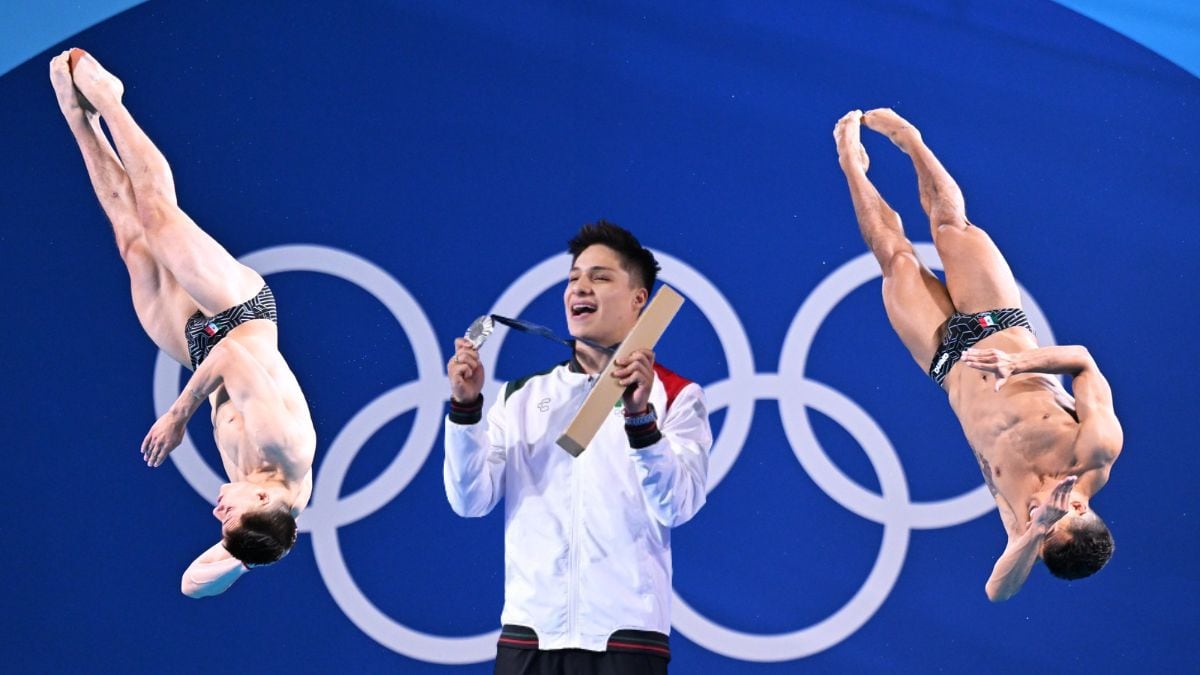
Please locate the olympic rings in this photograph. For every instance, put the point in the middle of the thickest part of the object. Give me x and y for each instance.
(738, 393)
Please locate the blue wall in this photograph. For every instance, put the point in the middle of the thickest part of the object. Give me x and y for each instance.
(457, 149)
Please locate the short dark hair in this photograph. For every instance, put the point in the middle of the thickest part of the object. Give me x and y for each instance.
(1083, 553)
(262, 537)
(637, 260)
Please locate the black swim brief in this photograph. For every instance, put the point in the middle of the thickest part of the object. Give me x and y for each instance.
(203, 333)
(964, 330)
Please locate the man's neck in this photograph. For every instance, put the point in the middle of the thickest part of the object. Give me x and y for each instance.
(590, 359)
(272, 481)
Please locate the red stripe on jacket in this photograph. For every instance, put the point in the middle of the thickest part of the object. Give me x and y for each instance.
(672, 383)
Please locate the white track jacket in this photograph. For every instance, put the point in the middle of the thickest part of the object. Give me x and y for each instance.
(587, 540)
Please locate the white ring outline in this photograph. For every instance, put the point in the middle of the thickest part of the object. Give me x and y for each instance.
(897, 522)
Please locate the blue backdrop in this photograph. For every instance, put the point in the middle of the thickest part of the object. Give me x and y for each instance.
(455, 149)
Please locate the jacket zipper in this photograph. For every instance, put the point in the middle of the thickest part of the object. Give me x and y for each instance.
(573, 552)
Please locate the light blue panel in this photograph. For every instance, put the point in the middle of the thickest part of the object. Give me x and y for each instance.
(27, 28)
(1169, 27)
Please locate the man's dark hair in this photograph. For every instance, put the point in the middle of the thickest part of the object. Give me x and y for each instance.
(636, 259)
(1081, 554)
(262, 537)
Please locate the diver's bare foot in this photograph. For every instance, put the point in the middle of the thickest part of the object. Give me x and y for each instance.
(895, 127)
(851, 153)
(100, 87)
(64, 89)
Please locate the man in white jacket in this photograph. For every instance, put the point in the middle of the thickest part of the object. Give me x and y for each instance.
(587, 539)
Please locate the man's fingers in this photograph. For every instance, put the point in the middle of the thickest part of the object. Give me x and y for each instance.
(463, 346)
(461, 361)
(1063, 492)
(638, 356)
(643, 355)
(464, 354)
(1067, 485)
(625, 370)
(461, 372)
(631, 373)
(643, 358)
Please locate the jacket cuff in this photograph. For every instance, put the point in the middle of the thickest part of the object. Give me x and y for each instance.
(643, 436)
(466, 413)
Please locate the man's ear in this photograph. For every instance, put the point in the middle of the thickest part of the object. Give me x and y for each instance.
(639, 299)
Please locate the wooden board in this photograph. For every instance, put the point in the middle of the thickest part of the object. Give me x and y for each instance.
(600, 401)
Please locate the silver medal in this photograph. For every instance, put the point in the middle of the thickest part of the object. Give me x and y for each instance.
(479, 331)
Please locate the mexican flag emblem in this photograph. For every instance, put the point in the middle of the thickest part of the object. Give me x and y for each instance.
(987, 320)
(211, 328)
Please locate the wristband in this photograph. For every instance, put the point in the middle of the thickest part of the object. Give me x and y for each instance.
(643, 418)
(466, 413)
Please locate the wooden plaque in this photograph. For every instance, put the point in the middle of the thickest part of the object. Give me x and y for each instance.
(600, 401)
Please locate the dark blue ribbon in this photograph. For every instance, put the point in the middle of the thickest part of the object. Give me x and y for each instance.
(536, 329)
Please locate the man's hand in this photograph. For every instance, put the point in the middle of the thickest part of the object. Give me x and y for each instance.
(997, 362)
(1012, 569)
(851, 153)
(1046, 515)
(164, 436)
(466, 373)
(64, 87)
(895, 127)
(636, 374)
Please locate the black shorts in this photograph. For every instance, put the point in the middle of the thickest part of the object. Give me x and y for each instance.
(203, 333)
(964, 330)
(628, 652)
